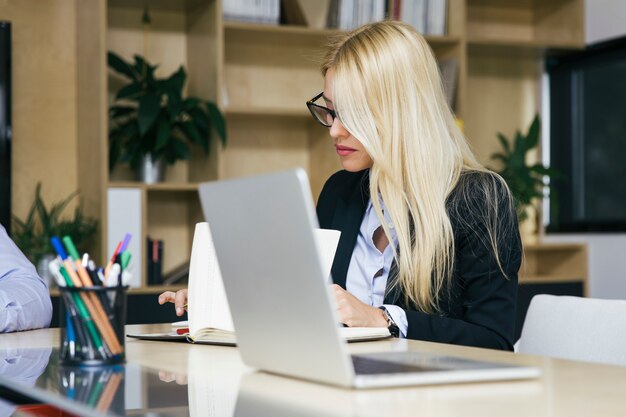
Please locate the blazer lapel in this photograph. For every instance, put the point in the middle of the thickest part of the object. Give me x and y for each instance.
(348, 217)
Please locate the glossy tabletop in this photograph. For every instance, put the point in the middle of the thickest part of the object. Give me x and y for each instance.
(179, 379)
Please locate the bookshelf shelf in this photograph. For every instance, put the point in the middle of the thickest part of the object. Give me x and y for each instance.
(164, 186)
(157, 5)
(549, 278)
(523, 43)
(253, 30)
(268, 111)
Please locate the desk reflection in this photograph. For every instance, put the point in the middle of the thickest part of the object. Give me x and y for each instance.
(100, 389)
(211, 383)
(22, 366)
(97, 388)
(265, 395)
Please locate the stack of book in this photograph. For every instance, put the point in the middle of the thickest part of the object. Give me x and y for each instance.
(350, 14)
(426, 16)
(253, 11)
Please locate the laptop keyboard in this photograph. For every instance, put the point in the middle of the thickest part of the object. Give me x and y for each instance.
(367, 366)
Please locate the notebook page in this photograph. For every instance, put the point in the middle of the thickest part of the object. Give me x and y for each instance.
(207, 304)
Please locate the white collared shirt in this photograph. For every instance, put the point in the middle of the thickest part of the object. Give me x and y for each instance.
(24, 297)
(365, 264)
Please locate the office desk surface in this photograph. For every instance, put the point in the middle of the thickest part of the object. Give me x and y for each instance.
(166, 378)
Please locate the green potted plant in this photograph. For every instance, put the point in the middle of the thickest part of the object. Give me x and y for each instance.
(32, 235)
(526, 181)
(152, 123)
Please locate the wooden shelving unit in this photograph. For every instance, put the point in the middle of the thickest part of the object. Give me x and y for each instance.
(261, 76)
(555, 263)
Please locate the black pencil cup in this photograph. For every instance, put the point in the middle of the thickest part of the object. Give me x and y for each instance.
(92, 323)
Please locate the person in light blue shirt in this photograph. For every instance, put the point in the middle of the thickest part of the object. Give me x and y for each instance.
(24, 297)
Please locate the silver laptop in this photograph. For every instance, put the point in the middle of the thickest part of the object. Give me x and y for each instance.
(280, 301)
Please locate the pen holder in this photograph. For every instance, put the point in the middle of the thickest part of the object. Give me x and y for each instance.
(92, 323)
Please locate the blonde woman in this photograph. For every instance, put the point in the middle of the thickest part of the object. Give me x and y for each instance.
(429, 245)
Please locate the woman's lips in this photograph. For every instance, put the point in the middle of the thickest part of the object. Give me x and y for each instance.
(344, 150)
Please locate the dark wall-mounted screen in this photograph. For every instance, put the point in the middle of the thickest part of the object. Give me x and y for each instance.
(588, 139)
(5, 125)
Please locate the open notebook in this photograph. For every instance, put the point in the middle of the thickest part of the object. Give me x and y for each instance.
(209, 316)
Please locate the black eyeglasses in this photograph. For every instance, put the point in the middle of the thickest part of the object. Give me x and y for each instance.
(323, 115)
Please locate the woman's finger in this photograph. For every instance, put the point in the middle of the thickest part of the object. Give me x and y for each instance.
(181, 302)
(167, 297)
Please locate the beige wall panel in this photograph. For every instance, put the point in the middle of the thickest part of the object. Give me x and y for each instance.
(502, 96)
(259, 145)
(44, 99)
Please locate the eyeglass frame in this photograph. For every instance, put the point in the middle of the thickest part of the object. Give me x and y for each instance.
(311, 103)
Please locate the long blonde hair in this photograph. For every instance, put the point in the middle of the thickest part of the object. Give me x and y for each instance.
(388, 94)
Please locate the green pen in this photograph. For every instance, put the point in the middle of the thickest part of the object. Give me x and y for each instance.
(69, 245)
(125, 259)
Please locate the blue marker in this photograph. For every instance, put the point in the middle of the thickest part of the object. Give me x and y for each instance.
(58, 247)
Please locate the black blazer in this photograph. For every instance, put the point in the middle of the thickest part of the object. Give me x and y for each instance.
(479, 307)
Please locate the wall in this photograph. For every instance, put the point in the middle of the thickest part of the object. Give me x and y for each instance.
(604, 20)
(44, 99)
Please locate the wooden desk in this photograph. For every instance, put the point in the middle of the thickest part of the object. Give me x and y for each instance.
(213, 381)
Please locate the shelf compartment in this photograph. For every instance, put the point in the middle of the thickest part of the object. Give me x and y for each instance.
(171, 216)
(554, 262)
(536, 23)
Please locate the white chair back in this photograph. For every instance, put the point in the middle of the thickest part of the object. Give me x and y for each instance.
(575, 328)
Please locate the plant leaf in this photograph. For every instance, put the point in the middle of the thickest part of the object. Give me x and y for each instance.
(149, 107)
(130, 91)
(217, 120)
(504, 142)
(191, 132)
(120, 66)
(116, 111)
(164, 131)
(176, 81)
(182, 150)
(532, 137)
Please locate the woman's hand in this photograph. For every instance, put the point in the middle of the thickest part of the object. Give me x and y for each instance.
(179, 298)
(354, 313)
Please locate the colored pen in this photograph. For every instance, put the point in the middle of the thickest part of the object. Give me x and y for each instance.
(125, 242)
(71, 336)
(112, 260)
